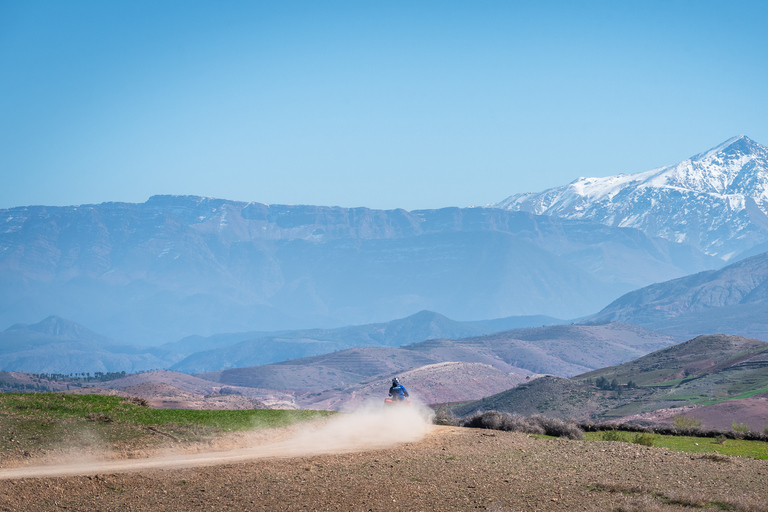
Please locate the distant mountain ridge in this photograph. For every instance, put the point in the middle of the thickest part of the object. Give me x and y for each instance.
(564, 350)
(57, 345)
(181, 265)
(732, 300)
(716, 201)
(265, 349)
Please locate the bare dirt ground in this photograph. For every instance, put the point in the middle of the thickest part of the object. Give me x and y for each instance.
(358, 465)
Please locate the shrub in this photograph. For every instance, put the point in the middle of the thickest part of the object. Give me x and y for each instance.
(740, 427)
(444, 416)
(681, 421)
(137, 400)
(559, 428)
(720, 439)
(613, 435)
(496, 420)
(537, 424)
(644, 439)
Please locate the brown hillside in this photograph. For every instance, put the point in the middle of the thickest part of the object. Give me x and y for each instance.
(430, 384)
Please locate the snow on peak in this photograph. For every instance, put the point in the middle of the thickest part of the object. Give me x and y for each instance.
(720, 148)
(700, 201)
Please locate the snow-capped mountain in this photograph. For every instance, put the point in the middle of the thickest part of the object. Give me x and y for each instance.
(715, 201)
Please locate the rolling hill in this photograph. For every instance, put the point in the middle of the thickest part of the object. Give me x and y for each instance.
(692, 376)
(732, 300)
(563, 350)
(268, 348)
(429, 384)
(57, 345)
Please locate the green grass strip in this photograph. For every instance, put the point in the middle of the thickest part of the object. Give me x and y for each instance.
(59, 406)
(689, 444)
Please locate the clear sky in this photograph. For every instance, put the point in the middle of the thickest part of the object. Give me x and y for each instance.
(385, 104)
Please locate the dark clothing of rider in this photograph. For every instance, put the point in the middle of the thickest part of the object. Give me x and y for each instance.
(398, 392)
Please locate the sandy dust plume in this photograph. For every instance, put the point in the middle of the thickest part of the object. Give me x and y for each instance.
(369, 428)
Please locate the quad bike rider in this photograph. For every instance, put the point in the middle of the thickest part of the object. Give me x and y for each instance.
(397, 393)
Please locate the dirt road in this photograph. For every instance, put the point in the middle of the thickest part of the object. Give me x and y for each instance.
(449, 469)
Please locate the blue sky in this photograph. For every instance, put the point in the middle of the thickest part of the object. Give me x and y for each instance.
(382, 104)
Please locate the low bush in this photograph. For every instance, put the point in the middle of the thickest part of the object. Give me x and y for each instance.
(681, 421)
(445, 416)
(644, 439)
(741, 428)
(536, 424)
(614, 435)
(559, 428)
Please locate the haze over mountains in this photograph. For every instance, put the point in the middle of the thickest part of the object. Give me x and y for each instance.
(180, 266)
(364, 372)
(270, 348)
(176, 266)
(57, 345)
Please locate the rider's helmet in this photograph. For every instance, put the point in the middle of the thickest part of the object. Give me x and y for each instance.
(395, 382)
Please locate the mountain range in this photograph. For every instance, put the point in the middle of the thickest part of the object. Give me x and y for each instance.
(222, 352)
(178, 266)
(58, 345)
(715, 202)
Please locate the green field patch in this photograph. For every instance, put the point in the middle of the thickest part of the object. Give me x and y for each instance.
(108, 409)
(688, 444)
(750, 394)
(31, 423)
(665, 383)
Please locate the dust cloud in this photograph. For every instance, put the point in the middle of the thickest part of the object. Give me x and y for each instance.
(371, 427)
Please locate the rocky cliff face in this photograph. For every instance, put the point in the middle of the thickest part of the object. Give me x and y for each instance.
(715, 201)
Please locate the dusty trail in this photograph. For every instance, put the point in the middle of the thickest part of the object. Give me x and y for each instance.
(370, 428)
(450, 469)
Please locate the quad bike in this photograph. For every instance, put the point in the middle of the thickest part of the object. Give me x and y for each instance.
(393, 402)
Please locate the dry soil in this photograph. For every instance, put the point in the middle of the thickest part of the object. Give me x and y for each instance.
(449, 468)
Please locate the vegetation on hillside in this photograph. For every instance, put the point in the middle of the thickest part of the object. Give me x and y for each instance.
(703, 371)
(713, 446)
(36, 422)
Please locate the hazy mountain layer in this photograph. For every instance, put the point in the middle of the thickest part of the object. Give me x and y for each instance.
(265, 349)
(732, 300)
(716, 201)
(177, 266)
(60, 346)
(559, 350)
